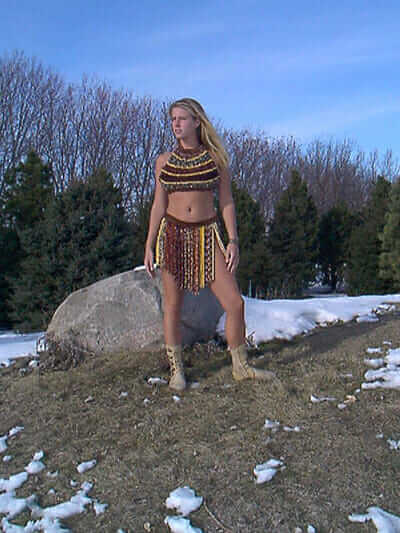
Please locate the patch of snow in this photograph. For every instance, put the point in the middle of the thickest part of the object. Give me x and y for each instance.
(87, 465)
(271, 424)
(370, 317)
(178, 524)
(184, 500)
(10, 505)
(384, 522)
(36, 465)
(3, 443)
(388, 376)
(315, 399)
(15, 430)
(284, 319)
(374, 350)
(394, 444)
(75, 505)
(296, 429)
(14, 345)
(157, 381)
(393, 357)
(266, 471)
(374, 363)
(99, 508)
(13, 482)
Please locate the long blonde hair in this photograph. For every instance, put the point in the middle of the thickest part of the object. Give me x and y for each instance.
(205, 131)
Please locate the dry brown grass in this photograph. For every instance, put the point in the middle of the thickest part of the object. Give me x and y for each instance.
(212, 439)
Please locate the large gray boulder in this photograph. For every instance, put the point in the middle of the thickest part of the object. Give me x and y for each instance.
(124, 312)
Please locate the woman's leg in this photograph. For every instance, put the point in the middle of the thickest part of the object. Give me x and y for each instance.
(172, 304)
(226, 290)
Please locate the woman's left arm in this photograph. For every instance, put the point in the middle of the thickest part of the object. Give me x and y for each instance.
(228, 211)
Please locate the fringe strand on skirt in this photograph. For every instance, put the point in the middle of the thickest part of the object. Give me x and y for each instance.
(187, 251)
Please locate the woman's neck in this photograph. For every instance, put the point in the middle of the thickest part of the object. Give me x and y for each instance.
(189, 145)
(188, 152)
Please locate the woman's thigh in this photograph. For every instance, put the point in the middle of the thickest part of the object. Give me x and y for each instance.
(173, 296)
(225, 286)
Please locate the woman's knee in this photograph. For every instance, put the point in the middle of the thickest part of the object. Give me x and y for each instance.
(173, 307)
(172, 302)
(236, 305)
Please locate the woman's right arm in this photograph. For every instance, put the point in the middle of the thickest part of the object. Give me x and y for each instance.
(158, 209)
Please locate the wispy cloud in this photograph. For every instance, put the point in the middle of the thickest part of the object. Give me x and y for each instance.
(337, 118)
(265, 63)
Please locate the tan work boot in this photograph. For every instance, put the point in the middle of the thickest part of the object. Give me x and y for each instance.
(177, 377)
(241, 368)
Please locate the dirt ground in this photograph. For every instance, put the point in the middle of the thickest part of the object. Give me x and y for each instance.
(212, 439)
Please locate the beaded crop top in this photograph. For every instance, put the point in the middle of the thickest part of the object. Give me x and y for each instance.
(189, 169)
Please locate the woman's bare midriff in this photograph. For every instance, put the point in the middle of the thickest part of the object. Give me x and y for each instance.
(191, 206)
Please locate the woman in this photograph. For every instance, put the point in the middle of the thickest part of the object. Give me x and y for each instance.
(183, 227)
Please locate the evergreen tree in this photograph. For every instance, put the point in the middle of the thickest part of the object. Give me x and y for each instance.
(9, 254)
(333, 237)
(140, 225)
(363, 273)
(27, 190)
(390, 238)
(83, 237)
(292, 238)
(253, 264)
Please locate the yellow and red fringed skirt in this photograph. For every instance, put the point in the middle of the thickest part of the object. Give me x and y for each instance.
(187, 251)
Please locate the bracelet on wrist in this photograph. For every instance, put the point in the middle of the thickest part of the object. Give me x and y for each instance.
(234, 241)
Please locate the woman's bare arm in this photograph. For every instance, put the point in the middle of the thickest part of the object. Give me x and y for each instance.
(228, 211)
(227, 205)
(158, 210)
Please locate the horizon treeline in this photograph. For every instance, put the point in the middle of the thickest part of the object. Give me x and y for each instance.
(77, 182)
(77, 128)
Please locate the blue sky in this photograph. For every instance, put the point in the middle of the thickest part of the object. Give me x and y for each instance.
(311, 69)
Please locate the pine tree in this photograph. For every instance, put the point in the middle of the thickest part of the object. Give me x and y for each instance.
(253, 264)
(363, 274)
(140, 225)
(390, 238)
(292, 239)
(27, 190)
(9, 254)
(333, 237)
(83, 237)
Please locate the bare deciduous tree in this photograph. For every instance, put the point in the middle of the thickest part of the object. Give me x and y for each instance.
(78, 128)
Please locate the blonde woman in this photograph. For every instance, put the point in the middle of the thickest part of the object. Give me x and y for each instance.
(183, 229)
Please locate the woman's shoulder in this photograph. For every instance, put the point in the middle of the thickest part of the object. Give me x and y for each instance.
(164, 156)
(162, 159)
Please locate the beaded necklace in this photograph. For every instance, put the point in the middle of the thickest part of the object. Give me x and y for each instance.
(189, 169)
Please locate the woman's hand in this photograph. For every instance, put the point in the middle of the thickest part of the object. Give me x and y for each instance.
(149, 262)
(232, 256)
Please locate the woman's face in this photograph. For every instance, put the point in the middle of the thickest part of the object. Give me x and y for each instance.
(183, 124)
